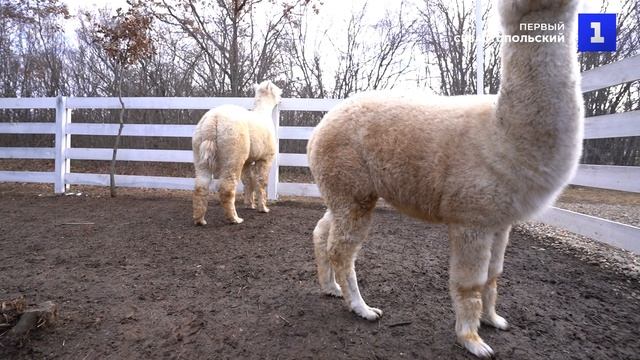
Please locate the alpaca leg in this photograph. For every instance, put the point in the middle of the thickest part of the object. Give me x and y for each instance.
(326, 275)
(248, 180)
(490, 291)
(262, 173)
(227, 193)
(203, 179)
(469, 263)
(348, 231)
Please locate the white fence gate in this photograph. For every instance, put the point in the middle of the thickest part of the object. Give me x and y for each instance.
(622, 178)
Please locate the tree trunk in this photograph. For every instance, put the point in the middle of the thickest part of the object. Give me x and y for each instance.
(112, 172)
(234, 66)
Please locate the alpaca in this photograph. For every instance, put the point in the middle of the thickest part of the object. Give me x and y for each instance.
(478, 164)
(232, 143)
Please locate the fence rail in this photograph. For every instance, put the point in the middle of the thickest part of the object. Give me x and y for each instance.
(607, 177)
(611, 232)
(622, 178)
(27, 153)
(616, 73)
(613, 125)
(146, 130)
(27, 176)
(27, 128)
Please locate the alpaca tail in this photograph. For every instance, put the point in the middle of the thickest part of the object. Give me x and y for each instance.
(207, 152)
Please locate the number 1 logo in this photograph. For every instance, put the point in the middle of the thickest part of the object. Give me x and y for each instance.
(596, 38)
(596, 32)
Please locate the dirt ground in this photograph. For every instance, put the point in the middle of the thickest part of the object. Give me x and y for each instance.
(134, 279)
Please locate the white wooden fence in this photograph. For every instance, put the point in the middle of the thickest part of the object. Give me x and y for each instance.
(607, 177)
(624, 178)
(63, 129)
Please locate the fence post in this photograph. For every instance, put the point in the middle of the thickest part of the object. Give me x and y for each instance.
(272, 190)
(67, 162)
(62, 164)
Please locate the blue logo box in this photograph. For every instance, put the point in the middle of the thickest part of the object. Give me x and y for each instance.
(596, 32)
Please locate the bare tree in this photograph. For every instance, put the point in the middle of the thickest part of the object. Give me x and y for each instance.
(235, 50)
(32, 53)
(451, 50)
(374, 56)
(93, 71)
(393, 51)
(126, 41)
(32, 46)
(305, 68)
(351, 63)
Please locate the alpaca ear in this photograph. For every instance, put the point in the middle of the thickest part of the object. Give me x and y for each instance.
(274, 89)
(256, 87)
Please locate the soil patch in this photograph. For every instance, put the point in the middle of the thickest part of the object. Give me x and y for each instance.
(134, 279)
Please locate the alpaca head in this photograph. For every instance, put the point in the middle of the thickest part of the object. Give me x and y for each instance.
(267, 91)
(514, 12)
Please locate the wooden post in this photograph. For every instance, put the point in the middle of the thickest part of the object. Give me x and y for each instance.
(67, 161)
(62, 164)
(272, 190)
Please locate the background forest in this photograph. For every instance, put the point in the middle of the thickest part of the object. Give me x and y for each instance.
(219, 48)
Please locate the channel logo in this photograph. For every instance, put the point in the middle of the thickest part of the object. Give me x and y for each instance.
(596, 32)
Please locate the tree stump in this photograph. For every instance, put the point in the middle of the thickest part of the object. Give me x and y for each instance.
(17, 318)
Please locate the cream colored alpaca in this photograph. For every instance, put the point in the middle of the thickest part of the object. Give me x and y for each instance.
(476, 163)
(232, 143)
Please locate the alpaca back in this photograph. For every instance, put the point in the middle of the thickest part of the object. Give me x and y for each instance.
(232, 133)
(405, 150)
(262, 136)
(221, 138)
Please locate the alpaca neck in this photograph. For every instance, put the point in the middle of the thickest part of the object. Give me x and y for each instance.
(539, 109)
(264, 106)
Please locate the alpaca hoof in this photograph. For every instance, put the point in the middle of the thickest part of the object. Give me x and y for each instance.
(332, 290)
(367, 312)
(200, 222)
(250, 203)
(477, 347)
(264, 210)
(236, 220)
(496, 321)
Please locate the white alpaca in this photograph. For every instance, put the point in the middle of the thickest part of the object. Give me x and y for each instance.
(476, 163)
(232, 143)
